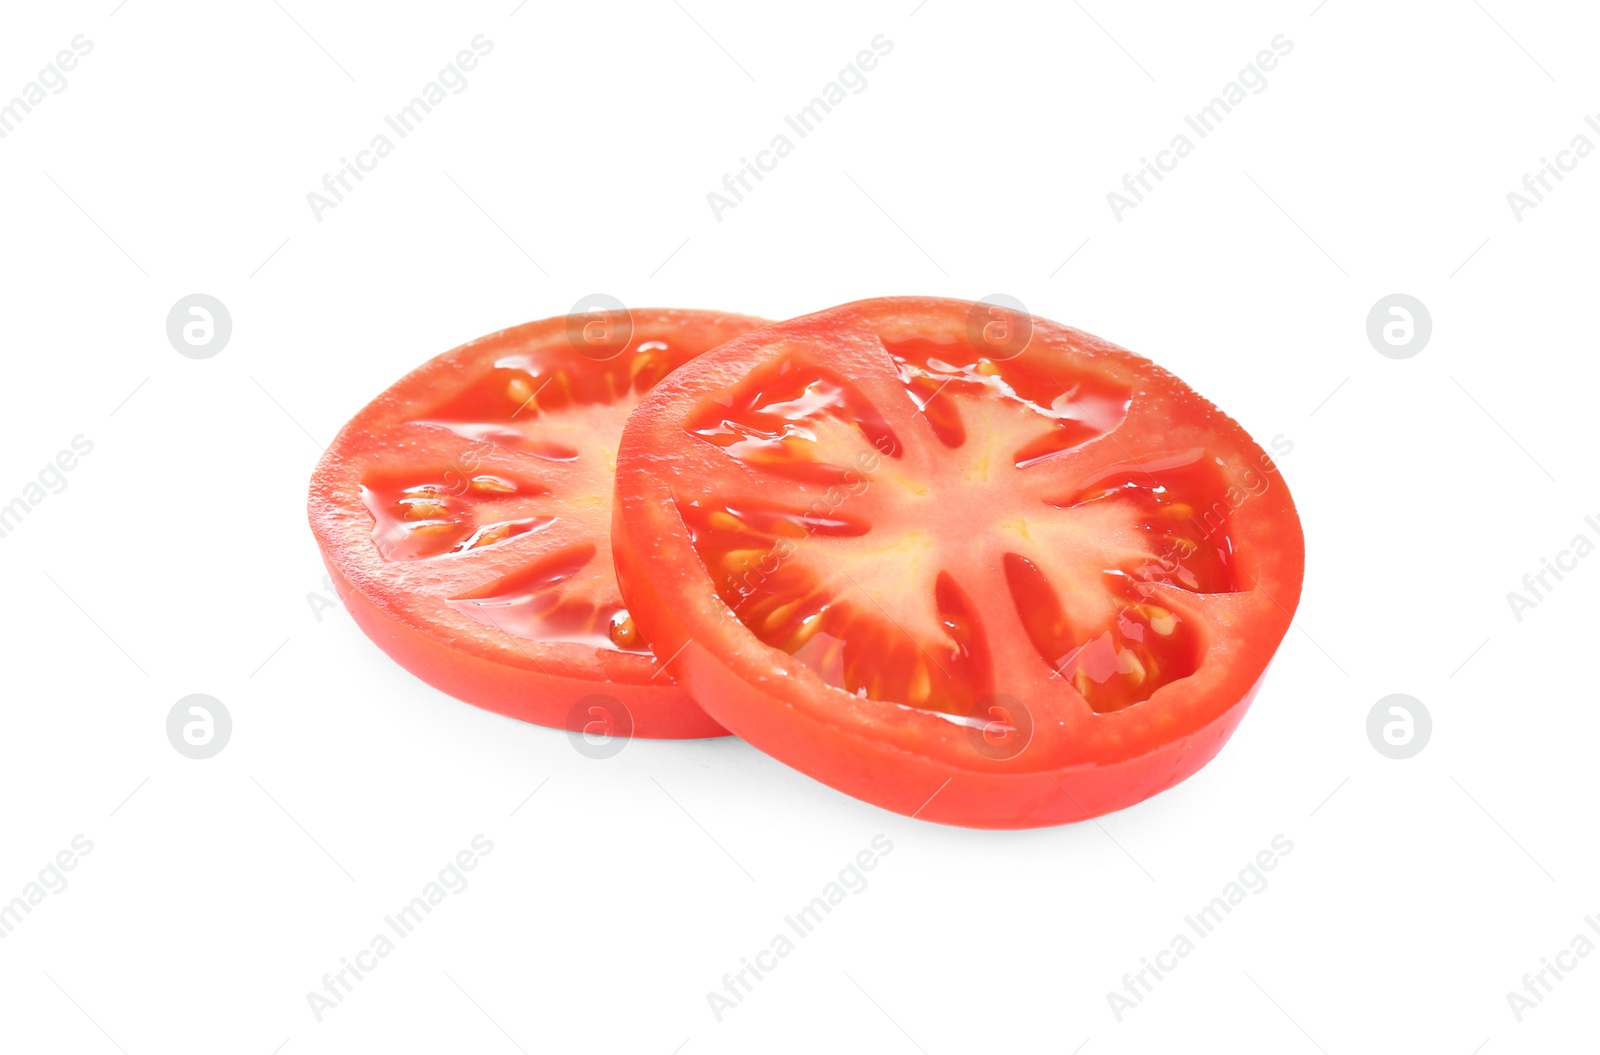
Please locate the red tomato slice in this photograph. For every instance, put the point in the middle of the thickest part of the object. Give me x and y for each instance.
(963, 563)
(465, 515)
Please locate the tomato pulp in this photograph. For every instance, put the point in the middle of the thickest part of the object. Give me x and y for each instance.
(961, 562)
(465, 515)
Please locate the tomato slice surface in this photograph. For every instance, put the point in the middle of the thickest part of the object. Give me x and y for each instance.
(465, 517)
(965, 564)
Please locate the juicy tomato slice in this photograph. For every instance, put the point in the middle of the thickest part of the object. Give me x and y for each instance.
(465, 516)
(969, 565)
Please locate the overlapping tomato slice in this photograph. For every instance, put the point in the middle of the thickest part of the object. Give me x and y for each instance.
(988, 585)
(465, 514)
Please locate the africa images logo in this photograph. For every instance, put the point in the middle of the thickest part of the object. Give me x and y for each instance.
(1538, 584)
(336, 185)
(1252, 80)
(52, 78)
(1536, 185)
(852, 879)
(853, 78)
(52, 480)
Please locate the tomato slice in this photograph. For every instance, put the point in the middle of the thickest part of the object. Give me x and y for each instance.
(965, 564)
(465, 516)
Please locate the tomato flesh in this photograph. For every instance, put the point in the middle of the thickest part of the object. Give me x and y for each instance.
(466, 515)
(863, 534)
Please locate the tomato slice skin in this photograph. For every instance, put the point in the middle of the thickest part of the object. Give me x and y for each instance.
(1166, 542)
(464, 518)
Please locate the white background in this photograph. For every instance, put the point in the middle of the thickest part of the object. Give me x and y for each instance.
(177, 559)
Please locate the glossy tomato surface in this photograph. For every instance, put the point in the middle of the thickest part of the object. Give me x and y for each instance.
(465, 517)
(961, 562)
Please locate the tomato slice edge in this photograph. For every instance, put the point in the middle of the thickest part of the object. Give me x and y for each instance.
(665, 580)
(405, 599)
